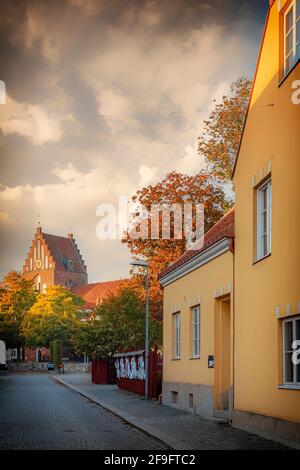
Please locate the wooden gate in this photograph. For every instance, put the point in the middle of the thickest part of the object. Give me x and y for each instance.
(103, 371)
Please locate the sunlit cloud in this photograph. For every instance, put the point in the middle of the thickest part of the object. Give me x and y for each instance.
(30, 121)
(105, 97)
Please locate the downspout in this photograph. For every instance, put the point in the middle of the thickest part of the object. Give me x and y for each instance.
(233, 331)
(231, 248)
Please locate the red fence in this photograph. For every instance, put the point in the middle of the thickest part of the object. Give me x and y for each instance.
(130, 368)
(103, 371)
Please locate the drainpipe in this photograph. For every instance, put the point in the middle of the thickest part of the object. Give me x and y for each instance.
(231, 249)
(233, 325)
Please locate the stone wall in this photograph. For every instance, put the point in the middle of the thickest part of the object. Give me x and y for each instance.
(268, 427)
(70, 367)
(194, 398)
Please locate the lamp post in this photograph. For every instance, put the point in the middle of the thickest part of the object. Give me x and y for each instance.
(144, 264)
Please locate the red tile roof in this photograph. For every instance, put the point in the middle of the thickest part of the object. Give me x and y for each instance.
(63, 249)
(222, 229)
(97, 292)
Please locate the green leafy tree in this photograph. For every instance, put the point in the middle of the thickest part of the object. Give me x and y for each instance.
(17, 296)
(117, 323)
(220, 140)
(54, 316)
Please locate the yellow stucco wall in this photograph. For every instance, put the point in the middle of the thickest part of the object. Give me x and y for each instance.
(271, 142)
(180, 296)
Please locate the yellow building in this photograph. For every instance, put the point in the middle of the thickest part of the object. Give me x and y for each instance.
(267, 248)
(198, 322)
(238, 350)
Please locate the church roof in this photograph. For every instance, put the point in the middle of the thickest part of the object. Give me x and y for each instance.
(95, 293)
(62, 249)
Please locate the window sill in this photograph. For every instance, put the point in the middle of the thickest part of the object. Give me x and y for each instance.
(195, 358)
(261, 259)
(176, 358)
(283, 79)
(289, 387)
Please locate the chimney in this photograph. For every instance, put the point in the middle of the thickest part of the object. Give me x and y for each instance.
(71, 236)
(39, 230)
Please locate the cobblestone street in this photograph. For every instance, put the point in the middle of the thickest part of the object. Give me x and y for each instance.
(37, 413)
(179, 429)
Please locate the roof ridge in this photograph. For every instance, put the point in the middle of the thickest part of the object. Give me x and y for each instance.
(57, 236)
(104, 282)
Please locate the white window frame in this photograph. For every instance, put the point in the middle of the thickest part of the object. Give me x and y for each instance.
(176, 335)
(261, 210)
(293, 29)
(195, 312)
(286, 351)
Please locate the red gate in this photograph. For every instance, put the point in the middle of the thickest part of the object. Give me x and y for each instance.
(103, 371)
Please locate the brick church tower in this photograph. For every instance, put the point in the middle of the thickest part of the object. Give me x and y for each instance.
(54, 260)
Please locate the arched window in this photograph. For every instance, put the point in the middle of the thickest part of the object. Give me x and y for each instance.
(38, 355)
(38, 283)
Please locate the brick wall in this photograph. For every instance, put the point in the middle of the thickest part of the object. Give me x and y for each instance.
(69, 279)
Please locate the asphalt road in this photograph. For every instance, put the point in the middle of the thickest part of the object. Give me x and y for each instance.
(37, 413)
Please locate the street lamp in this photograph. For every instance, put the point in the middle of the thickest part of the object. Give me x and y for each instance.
(144, 264)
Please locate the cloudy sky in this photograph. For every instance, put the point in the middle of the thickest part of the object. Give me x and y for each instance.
(103, 97)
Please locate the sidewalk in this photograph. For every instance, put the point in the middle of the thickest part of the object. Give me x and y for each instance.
(178, 429)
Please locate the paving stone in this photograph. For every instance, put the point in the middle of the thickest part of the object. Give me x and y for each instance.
(37, 413)
(189, 430)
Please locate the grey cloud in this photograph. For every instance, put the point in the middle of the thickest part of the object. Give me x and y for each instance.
(84, 105)
(83, 58)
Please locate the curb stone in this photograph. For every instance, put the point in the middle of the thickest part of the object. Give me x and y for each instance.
(170, 441)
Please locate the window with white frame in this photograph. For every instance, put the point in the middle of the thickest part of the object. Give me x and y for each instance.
(291, 35)
(290, 346)
(176, 335)
(196, 331)
(264, 219)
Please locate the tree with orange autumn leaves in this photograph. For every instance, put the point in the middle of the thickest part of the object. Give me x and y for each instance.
(218, 145)
(175, 188)
(220, 140)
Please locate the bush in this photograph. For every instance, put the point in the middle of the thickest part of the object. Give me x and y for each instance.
(51, 351)
(56, 348)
